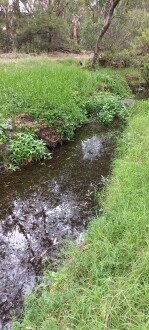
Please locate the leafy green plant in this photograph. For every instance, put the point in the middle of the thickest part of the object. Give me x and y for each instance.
(25, 147)
(4, 126)
(105, 107)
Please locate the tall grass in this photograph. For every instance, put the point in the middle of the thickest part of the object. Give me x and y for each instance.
(104, 284)
(47, 90)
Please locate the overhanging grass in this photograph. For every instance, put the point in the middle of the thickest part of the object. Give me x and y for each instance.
(105, 282)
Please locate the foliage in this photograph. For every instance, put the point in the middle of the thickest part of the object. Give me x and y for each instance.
(55, 94)
(46, 91)
(104, 283)
(4, 126)
(106, 107)
(112, 81)
(25, 147)
(124, 46)
(42, 34)
(88, 33)
(146, 73)
(3, 39)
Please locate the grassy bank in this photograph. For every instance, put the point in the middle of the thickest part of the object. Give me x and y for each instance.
(58, 95)
(105, 281)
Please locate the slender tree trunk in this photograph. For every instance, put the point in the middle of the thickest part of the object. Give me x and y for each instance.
(75, 29)
(109, 10)
(9, 42)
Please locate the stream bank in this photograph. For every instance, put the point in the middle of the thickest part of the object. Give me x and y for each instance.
(42, 206)
(105, 283)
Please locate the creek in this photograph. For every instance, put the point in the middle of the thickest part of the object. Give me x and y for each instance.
(44, 205)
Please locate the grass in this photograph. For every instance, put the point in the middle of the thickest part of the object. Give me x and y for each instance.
(54, 93)
(104, 283)
(47, 90)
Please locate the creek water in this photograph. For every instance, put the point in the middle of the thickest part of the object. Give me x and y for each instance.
(143, 94)
(44, 204)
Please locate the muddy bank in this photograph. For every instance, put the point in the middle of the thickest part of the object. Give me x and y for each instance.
(43, 205)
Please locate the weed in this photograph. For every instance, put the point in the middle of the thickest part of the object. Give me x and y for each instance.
(105, 107)
(25, 148)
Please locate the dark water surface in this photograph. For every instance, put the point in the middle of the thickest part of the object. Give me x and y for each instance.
(43, 204)
(143, 94)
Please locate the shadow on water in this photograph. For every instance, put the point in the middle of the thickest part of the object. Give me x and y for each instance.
(42, 205)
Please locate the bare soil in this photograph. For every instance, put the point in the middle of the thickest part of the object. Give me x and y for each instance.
(54, 56)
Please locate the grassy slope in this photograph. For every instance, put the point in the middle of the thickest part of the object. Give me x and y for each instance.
(47, 90)
(105, 282)
(53, 94)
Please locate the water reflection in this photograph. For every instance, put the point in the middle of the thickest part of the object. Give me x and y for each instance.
(43, 205)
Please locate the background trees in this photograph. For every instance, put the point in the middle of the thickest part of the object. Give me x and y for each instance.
(48, 25)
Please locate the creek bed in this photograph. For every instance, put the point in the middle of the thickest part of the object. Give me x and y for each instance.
(43, 205)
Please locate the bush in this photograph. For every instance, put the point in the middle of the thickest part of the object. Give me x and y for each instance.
(25, 147)
(88, 34)
(43, 34)
(105, 107)
(146, 73)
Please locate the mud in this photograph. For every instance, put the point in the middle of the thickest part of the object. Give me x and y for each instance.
(42, 206)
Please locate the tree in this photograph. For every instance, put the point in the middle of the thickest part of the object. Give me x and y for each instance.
(109, 10)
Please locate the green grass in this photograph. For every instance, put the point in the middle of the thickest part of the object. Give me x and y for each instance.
(104, 284)
(54, 93)
(46, 90)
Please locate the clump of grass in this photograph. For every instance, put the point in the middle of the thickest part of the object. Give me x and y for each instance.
(113, 82)
(104, 283)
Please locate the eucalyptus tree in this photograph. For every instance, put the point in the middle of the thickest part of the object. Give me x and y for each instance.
(109, 9)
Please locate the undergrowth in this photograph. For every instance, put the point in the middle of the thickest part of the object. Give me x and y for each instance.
(58, 94)
(25, 147)
(104, 283)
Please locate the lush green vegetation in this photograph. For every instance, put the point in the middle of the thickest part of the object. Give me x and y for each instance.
(104, 283)
(146, 73)
(73, 25)
(105, 107)
(25, 147)
(60, 95)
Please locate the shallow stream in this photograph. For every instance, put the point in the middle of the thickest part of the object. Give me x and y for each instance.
(43, 204)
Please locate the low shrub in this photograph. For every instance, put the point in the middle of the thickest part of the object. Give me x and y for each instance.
(105, 107)
(146, 73)
(25, 147)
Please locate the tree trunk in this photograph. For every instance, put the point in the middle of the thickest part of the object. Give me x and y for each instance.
(109, 10)
(8, 46)
(75, 29)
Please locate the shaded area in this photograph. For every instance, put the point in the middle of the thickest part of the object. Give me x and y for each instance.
(42, 205)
